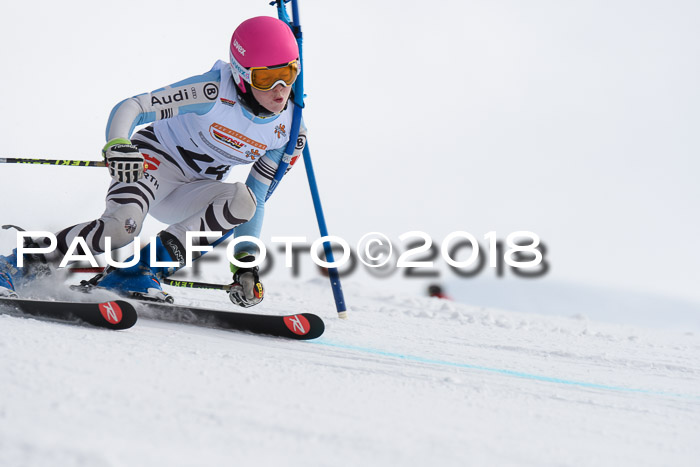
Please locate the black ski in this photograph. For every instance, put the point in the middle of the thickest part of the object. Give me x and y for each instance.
(116, 314)
(301, 326)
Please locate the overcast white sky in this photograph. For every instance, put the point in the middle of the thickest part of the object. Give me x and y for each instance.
(575, 120)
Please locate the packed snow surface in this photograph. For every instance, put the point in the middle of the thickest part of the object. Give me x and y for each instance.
(404, 381)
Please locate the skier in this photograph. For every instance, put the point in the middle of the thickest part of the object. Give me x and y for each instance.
(434, 290)
(239, 112)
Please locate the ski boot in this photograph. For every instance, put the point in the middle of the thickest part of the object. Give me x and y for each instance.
(141, 280)
(33, 267)
(7, 286)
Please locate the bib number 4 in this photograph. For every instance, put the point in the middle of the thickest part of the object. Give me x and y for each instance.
(193, 160)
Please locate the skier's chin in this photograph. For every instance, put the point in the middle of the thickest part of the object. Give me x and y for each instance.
(274, 100)
(275, 107)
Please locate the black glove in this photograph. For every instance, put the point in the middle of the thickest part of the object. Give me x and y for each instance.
(246, 290)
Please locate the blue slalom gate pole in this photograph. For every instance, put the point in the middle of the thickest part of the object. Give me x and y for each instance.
(298, 94)
(320, 218)
(333, 274)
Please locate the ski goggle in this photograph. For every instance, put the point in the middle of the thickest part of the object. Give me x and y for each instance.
(265, 78)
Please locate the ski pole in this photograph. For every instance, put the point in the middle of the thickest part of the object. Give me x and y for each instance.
(167, 281)
(171, 282)
(196, 285)
(65, 162)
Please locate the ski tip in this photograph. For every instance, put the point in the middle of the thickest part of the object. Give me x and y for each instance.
(118, 314)
(317, 326)
(304, 326)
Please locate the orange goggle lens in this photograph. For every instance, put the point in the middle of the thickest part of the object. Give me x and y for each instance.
(266, 78)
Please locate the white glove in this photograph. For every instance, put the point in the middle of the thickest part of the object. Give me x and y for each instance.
(246, 290)
(124, 161)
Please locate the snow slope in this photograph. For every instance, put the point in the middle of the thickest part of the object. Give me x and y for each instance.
(404, 381)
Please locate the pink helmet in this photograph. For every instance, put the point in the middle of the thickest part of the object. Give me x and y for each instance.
(260, 42)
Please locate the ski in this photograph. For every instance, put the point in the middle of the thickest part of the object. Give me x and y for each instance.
(302, 326)
(116, 314)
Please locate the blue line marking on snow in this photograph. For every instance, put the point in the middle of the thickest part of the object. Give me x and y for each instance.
(502, 371)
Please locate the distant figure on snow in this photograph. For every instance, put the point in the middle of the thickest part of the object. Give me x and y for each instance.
(435, 290)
